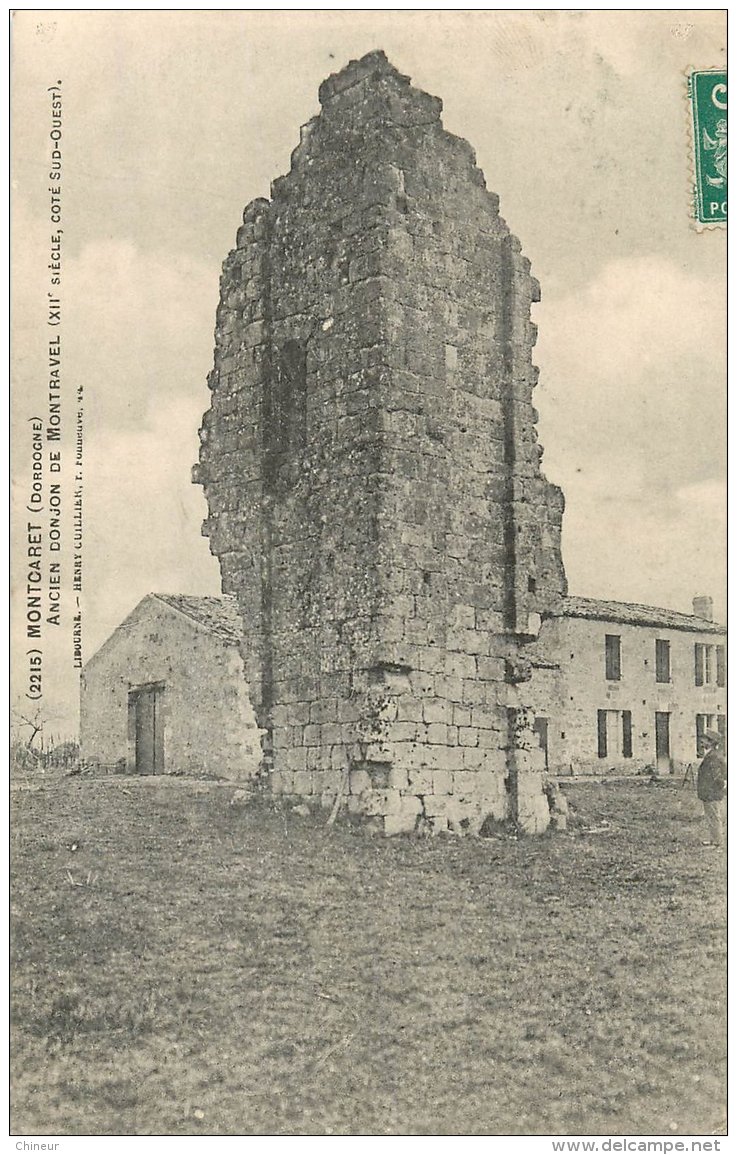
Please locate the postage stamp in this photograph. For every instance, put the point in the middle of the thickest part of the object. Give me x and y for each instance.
(708, 95)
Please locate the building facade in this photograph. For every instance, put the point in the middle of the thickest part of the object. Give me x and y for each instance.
(166, 693)
(372, 471)
(620, 687)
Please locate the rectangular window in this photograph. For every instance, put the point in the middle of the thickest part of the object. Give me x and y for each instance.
(700, 728)
(704, 722)
(708, 665)
(699, 663)
(613, 657)
(662, 737)
(601, 729)
(721, 667)
(626, 733)
(540, 726)
(662, 660)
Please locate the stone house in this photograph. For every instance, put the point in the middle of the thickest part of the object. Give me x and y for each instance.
(167, 693)
(620, 687)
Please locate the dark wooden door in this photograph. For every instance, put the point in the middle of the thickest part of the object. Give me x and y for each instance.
(540, 726)
(662, 740)
(149, 732)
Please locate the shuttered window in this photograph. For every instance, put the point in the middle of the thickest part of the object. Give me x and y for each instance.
(704, 722)
(601, 732)
(626, 733)
(613, 657)
(721, 671)
(662, 660)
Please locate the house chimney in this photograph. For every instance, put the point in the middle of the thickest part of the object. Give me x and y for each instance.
(703, 607)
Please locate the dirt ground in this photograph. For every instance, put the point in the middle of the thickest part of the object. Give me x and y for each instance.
(185, 966)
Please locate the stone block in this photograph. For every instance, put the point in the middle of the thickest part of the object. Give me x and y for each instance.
(338, 757)
(281, 737)
(533, 815)
(398, 777)
(431, 658)
(287, 781)
(421, 780)
(359, 782)
(300, 713)
(468, 736)
(460, 666)
(409, 708)
(450, 688)
(461, 716)
(483, 719)
(324, 710)
(422, 683)
(526, 762)
(315, 758)
(331, 734)
(403, 731)
(296, 758)
(311, 735)
(348, 710)
(436, 710)
(452, 758)
(436, 733)
(327, 780)
(377, 752)
(490, 739)
(442, 782)
(302, 782)
(404, 819)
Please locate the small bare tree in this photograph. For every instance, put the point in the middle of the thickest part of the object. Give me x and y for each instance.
(27, 745)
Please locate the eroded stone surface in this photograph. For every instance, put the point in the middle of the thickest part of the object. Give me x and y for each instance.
(372, 469)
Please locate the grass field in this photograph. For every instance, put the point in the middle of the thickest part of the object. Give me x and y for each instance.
(182, 966)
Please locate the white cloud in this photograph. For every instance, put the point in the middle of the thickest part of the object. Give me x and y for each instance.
(138, 328)
(141, 343)
(143, 518)
(632, 401)
(137, 336)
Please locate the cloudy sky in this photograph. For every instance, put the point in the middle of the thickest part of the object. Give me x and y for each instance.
(173, 121)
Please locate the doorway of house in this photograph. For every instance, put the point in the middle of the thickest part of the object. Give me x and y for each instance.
(614, 734)
(145, 705)
(662, 742)
(540, 726)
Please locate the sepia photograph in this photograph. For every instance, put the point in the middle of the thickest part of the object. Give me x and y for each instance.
(368, 575)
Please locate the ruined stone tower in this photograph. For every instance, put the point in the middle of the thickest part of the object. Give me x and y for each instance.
(372, 471)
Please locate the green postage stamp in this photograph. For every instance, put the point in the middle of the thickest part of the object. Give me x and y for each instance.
(708, 94)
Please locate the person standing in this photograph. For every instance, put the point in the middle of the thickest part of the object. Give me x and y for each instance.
(710, 785)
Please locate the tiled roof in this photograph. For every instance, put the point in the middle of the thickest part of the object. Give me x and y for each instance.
(217, 615)
(630, 613)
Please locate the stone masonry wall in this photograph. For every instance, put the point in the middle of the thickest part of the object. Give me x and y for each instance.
(372, 471)
(209, 723)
